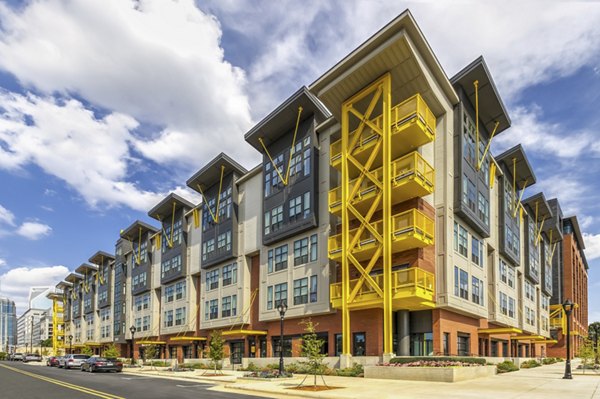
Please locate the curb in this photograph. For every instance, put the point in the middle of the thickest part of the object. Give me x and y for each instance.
(287, 392)
(179, 377)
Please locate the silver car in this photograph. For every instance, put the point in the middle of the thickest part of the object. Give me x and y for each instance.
(73, 361)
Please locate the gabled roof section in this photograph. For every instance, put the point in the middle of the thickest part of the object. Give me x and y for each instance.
(551, 227)
(538, 202)
(515, 157)
(211, 173)
(283, 118)
(86, 268)
(99, 256)
(74, 278)
(135, 229)
(165, 207)
(399, 48)
(491, 107)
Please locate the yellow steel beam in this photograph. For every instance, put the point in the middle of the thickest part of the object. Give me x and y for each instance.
(346, 349)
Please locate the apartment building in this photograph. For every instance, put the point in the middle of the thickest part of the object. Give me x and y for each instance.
(8, 324)
(378, 211)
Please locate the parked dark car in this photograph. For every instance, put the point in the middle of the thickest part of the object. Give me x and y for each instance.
(52, 361)
(102, 364)
(32, 357)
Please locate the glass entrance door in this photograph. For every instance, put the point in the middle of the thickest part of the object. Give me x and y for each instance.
(237, 351)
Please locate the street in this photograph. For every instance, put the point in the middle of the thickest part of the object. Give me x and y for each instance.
(18, 380)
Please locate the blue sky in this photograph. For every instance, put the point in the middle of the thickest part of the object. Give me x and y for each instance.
(107, 106)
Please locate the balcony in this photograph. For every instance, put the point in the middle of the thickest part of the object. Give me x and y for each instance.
(412, 289)
(410, 229)
(412, 125)
(412, 177)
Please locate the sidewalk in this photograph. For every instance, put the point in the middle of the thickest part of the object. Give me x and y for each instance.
(539, 383)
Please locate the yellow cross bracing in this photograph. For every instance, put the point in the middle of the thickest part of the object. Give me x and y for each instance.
(86, 286)
(538, 225)
(284, 180)
(246, 310)
(100, 275)
(214, 215)
(487, 147)
(516, 204)
(157, 241)
(58, 324)
(196, 214)
(192, 322)
(137, 257)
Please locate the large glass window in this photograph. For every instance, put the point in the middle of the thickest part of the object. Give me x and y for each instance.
(230, 274)
(168, 319)
(212, 279)
(477, 251)
(313, 288)
(273, 219)
(463, 239)
(463, 344)
(301, 291)
(229, 306)
(359, 341)
(300, 251)
(477, 293)
(180, 316)
(281, 293)
(483, 209)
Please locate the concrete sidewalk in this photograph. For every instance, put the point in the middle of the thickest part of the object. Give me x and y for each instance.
(539, 383)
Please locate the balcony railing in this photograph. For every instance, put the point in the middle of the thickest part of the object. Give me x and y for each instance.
(412, 176)
(410, 229)
(412, 289)
(412, 119)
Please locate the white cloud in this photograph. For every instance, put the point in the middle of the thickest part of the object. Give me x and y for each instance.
(2, 262)
(16, 282)
(592, 246)
(34, 230)
(6, 216)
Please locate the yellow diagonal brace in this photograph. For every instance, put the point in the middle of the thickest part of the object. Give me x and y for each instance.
(212, 215)
(271, 159)
(487, 147)
(100, 275)
(365, 223)
(172, 224)
(539, 230)
(364, 121)
(164, 232)
(219, 194)
(368, 217)
(157, 240)
(364, 117)
(367, 277)
(492, 174)
(196, 215)
(518, 204)
(370, 266)
(287, 173)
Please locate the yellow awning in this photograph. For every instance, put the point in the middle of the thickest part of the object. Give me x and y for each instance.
(547, 341)
(150, 342)
(187, 339)
(244, 332)
(500, 330)
(92, 344)
(78, 345)
(528, 337)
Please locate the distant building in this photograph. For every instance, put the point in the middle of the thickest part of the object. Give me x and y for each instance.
(28, 328)
(38, 297)
(8, 324)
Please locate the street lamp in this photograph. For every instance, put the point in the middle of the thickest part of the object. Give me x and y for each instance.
(70, 344)
(568, 308)
(132, 330)
(281, 308)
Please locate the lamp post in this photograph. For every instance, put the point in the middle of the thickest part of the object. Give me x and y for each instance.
(132, 330)
(281, 308)
(70, 344)
(568, 308)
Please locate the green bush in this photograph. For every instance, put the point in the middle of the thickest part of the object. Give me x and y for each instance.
(506, 367)
(197, 366)
(3, 355)
(411, 359)
(529, 364)
(157, 363)
(549, 360)
(272, 366)
(356, 370)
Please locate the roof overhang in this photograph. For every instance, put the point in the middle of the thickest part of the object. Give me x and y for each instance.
(547, 341)
(100, 256)
(165, 207)
(211, 173)
(74, 278)
(491, 107)
(86, 268)
(137, 228)
(515, 157)
(284, 117)
(537, 204)
(176, 339)
(146, 342)
(398, 48)
(528, 338)
(552, 227)
(63, 285)
(500, 330)
(244, 332)
(54, 295)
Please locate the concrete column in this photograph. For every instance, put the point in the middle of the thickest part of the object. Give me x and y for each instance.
(403, 330)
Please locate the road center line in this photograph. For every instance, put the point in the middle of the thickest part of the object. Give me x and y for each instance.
(64, 384)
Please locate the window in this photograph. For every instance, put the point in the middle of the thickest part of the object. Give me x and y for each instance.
(511, 276)
(168, 239)
(483, 209)
(208, 210)
(301, 291)
(300, 251)
(455, 237)
(503, 303)
(306, 204)
(273, 219)
(270, 297)
(225, 204)
(463, 344)
(280, 294)
(180, 316)
(180, 290)
(296, 208)
(477, 251)
(469, 139)
(278, 258)
(229, 306)
(503, 271)
(224, 241)
(168, 318)
(208, 247)
(287, 346)
(511, 307)
(464, 284)
(314, 247)
(230, 274)
(359, 344)
(212, 280)
(140, 253)
(477, 294)
(529, 291)
(463, 239)
(471, 195)
(214, 309)
(446, 342)
(313, 288)
(146, 323)
(169, 294)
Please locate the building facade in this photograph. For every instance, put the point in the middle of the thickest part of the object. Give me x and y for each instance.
(8, 325)
(378, 212)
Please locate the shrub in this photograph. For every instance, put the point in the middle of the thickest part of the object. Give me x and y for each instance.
(111, 351)
(3, 355)
(549, 360)
(158, 363)
(529, 364)
(506, 367)
(413, 359)
(272, 366)
(251, 367)
(197, 366)
(356, 370)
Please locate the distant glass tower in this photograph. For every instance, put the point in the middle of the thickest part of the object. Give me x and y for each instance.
(8, 325)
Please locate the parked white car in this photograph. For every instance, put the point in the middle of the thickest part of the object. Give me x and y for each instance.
(73, 361)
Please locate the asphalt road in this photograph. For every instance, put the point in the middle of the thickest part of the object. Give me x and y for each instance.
(26, 381)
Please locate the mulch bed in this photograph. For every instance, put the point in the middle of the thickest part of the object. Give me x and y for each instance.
(313, 388)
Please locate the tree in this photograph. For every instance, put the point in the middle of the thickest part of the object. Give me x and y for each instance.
(312, 349)
(594, 335)
(216, 348)
(586, 353)
(46, 343)
(112, 351)
(150, 352)
(87, 351)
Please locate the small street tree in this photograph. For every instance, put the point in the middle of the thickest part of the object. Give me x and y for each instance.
(111, 351)
(312, 350)
(87, 351)
(150, 352)
(594, 335)
(586, 353)
(216, 348)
